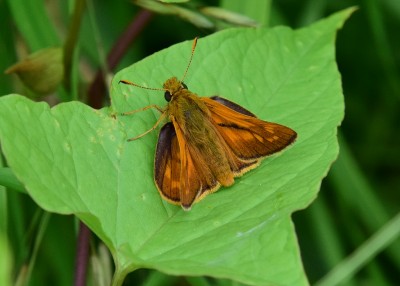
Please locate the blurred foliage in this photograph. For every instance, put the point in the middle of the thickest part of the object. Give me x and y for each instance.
(360, 194)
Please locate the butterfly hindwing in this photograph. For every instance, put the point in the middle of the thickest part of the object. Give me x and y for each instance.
(181, 174)
(167, 164)
(197, 179)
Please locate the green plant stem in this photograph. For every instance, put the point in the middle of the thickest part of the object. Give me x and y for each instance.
(330, 245)
(3, 229)
(356, 192)
(375, 16)
(26, 270)
(71, 42)
(348, 267)
(356, 236)
(32, 21)
(119, 275)
(29, 239)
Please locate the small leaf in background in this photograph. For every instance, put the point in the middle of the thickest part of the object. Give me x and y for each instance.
(184, 13)
(155, 6)
(229, 16)
(42, 71)
(193, 17)
(73, 159)
(174, 1)
(8, 180)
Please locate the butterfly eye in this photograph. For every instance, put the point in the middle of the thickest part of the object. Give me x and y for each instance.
(184, 85)
(167, 96)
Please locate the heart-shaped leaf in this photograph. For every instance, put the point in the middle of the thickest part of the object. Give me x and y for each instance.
(73, 159)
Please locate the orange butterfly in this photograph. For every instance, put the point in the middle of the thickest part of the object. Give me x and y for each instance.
(207, 143)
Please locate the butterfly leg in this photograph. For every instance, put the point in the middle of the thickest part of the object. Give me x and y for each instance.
(143, 109)
(151, 129)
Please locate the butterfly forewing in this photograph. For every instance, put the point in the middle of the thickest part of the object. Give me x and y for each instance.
(232, 105)
(247, 136)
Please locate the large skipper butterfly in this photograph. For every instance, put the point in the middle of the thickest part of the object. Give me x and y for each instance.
(207, 142)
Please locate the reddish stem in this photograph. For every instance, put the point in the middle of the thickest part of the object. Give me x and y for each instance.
(82, 255)
(96, 94)
(98, 89)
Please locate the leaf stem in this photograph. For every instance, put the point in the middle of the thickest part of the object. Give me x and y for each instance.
(119, 275)
(82, 255)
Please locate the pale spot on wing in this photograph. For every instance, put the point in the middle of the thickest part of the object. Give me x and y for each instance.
(270, 130)
(259, 138)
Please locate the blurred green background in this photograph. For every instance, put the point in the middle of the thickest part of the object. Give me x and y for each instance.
(360, 195)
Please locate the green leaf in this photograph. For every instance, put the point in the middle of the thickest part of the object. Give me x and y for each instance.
(73, 159)
(34, 24)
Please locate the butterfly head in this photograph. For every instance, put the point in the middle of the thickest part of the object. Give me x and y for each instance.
(172, 87)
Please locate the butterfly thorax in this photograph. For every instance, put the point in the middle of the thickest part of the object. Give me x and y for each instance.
(184, 105)
(190, 113)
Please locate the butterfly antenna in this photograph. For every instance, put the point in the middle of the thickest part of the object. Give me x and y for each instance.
(191, 57)
(144, 87)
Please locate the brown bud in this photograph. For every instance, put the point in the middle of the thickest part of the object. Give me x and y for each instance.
(42, 71)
